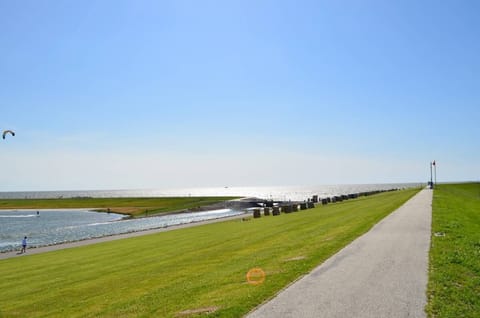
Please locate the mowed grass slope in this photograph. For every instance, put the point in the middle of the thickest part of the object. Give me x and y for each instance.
(454, 279)
(198, 268)
(131, 206)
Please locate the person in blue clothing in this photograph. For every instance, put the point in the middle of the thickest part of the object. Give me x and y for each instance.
(24, 245)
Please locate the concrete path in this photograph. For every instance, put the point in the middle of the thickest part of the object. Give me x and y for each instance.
(381, 274)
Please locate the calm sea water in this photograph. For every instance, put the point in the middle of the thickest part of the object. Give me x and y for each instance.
(293, 193)
(60, 226)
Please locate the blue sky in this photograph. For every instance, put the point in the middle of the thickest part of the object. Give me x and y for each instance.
(159, 94)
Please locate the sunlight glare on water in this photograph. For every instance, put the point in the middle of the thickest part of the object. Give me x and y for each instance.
(264, 192)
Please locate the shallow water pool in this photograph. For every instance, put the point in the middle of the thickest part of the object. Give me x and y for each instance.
(67, 225)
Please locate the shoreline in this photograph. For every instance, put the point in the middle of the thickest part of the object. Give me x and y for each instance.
(238, 203)
(114, 237)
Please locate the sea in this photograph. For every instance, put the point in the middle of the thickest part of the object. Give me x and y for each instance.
(45, 227)
(280, 193)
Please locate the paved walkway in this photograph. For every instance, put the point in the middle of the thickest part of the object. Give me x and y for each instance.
(381, 274)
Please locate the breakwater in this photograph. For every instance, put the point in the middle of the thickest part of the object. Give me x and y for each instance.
(279, 207)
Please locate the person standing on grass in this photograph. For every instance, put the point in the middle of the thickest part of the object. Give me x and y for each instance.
(24, 245)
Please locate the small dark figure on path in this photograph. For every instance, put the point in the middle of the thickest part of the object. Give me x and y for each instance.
(24, 245)
(38, 213)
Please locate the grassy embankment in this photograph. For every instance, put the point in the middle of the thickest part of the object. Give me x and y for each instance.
(454, 279)
(131, 206)
(200, 268)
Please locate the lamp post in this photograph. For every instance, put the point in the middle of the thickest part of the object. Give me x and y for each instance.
(435, 171)
(431, 176)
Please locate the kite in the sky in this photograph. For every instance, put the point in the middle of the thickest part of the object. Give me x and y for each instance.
(5, 132)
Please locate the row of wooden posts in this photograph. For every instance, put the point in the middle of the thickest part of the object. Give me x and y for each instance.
(290, 207)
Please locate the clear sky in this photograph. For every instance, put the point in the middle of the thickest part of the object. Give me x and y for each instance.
(163, 94)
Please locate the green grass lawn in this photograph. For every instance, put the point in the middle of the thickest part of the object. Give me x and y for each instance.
(131, 206)
(454, 283)
(165, 274)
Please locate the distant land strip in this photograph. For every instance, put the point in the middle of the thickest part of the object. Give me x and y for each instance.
(135, 207)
